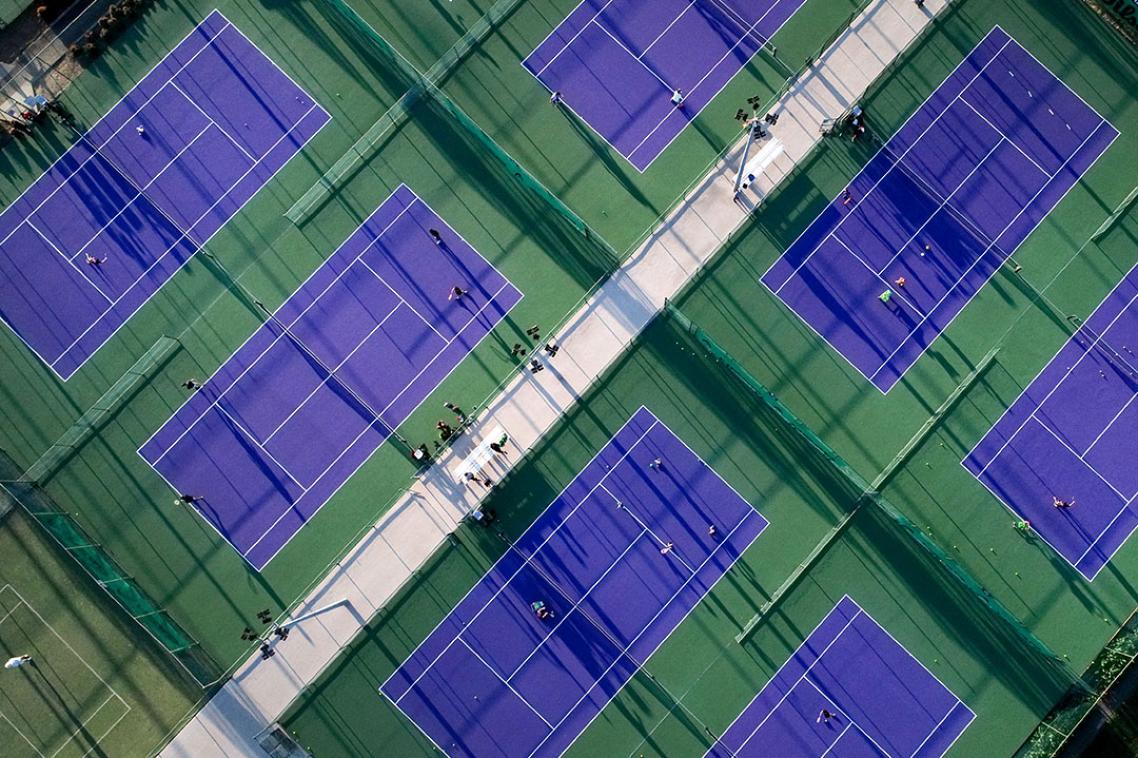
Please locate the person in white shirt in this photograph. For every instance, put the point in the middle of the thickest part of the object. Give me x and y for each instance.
(16, 661)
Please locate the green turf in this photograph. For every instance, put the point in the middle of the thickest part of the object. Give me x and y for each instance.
(565, 154)
(261, 256)
(211, 308)
(701, 677)
(96, 687)
(980, 657)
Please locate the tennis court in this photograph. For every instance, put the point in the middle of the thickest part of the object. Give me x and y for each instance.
(144, 189)
(1070, 436)
(307, 399)
(882, 701)
(57, 704)
(493, 679)
(616, 63)
(939, 208)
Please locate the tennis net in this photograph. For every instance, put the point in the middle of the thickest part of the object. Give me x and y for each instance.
(1090, 339)
(944, 202)
(578, 607)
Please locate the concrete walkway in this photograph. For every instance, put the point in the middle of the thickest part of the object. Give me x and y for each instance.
(407, 535)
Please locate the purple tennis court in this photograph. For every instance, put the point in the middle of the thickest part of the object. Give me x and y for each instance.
(308, 398)
(494, 680)
(1070, 436)
(616, 63)
(144, 189)
(939, 208)
(882, 701)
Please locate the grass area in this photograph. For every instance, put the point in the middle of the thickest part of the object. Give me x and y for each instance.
(95, 686)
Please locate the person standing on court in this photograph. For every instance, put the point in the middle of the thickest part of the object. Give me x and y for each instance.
(678, 98)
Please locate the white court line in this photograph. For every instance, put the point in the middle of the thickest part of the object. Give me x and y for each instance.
(403, 301)
(1079, 458)
(273, 342)
(640, 522)
(631, 54)
(798, 681)
(628, 156)
(527, 559)
(661, 34)
(849, 724)
(212, 122)
(844, 714)
(896, 160)
(572, 39)
(945, 205)
(380, 421)
(509, 686)
(138, 192)
(51, 364)
(936, 728)
(647, 626)
(28, 222)
(1105, 529)
(876, 274)
(806, 640)
(97, 148)
(1109, 424)
(1085, 352)
(21, 733)
(325, 380)
(575, 604)
(749, 32)
(260, 447)
(996, 239)
(186, 237)
(114, 694)
(1006, 137)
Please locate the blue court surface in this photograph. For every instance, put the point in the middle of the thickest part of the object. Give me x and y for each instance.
(617, 62)
(218, 120)
(882, 700)
(942, 205)
(494, 680)
(1070, 435)
(298, 408)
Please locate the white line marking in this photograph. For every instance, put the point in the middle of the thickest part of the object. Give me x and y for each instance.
(624, 653)
(1109, 424)
(403, 301)
(576, 604)
(1085, 352)
(213, 122)
(28, 222)
(572, 39)
(996, 239)
(877, 274)
(325, 380)
(509, 686)
(193, 242)
(1009, 140)
(896, 159)
(527, 558)
(220, 409)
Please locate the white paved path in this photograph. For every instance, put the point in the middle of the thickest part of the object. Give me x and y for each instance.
(408, 534)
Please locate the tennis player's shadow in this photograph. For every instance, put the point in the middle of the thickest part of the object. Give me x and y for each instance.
(54, 700)
(603, 151)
